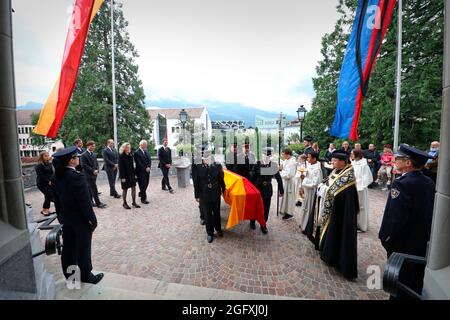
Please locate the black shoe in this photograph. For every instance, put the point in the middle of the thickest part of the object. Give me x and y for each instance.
(145, 202)
(220, 233)
(101, 205)
(117, 196)
(135, 205)
(164, 189)
(288, 217)
(252, 225)
(94, 279)
(202, 222)
(210, 239)
(126, 206)
(298, 204)
(99, 193)
(264, 230)
(171, 191)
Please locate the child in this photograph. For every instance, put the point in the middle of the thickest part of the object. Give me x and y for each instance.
(387, 163)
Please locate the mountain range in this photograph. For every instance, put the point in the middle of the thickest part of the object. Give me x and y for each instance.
(221, 110)
(217, 110)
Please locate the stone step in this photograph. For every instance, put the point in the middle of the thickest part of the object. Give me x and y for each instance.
(121, 287)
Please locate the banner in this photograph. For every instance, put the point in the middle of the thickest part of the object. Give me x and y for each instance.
(55, 107)
(371, 22)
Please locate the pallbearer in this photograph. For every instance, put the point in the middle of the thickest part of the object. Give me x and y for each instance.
(264, 172)
(209, 186)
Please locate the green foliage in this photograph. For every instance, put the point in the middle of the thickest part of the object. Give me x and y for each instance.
(421, 96)
(90, 114)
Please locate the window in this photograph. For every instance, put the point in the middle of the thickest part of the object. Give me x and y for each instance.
(173, 129)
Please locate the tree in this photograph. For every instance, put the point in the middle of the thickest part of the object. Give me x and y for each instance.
(421, 96)
(90, 114)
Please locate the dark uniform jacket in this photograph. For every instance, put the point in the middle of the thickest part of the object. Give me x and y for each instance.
(209, 181)
(374, 156)
(89, 164)
(111, 158)
(262, 178)
(245, 165)
(143, 161)
(165, 157)
(73, 200)
(406, 225)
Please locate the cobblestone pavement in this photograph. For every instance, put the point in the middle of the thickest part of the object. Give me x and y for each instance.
(165, 241)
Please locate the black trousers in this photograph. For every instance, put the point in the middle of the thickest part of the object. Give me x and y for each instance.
(77, 249)
(165, 180)
(202, 216)
(143, 180)
(266, 202)
(112, 176)
(211, 213)
(92, 184)
(48, 195)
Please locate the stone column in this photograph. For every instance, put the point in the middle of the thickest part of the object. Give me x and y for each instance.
(437, 272)
(16, 263)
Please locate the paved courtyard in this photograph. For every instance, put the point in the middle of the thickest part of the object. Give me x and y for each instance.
(165, 241)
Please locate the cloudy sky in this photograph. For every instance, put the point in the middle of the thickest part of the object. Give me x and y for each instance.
(261, 53)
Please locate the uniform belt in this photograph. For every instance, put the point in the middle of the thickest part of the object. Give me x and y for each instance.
(265, 183)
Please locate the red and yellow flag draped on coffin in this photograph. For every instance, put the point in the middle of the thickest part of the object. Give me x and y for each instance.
(244, 200)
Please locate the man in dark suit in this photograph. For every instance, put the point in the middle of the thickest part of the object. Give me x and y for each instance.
(111, 166)
(73, 204)
(197, 163)
(373, 160)
(90, 168)
(165, 162)
(143, 165)
(231, 161)
(406, 225)
(78, 143)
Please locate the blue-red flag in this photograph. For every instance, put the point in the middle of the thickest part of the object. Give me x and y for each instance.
(371, 22)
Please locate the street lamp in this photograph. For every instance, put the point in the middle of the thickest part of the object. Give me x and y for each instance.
(301, 113)
(183, 120)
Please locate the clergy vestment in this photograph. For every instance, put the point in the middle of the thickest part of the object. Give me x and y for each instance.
(333, 223)
(313, 178)
(288, 175)
(364, 178)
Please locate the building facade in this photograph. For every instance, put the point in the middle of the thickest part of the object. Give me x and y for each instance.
(166, 124)
(28, 148)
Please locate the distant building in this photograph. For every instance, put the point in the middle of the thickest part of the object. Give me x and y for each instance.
(166, 123)
(228, 125)
(27, 146)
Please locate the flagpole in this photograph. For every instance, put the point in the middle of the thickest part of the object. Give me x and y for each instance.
(399, 76)
(113, 71)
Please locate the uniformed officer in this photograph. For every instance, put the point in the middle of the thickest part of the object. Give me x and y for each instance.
(264, 172)
(406, 225)
(74, 206)
(209, 186)
(196, 164)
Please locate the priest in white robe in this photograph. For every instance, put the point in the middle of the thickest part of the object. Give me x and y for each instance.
(288, 170)
(364, 178)
(310, 182)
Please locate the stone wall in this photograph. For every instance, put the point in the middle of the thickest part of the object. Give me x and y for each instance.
(29, 174)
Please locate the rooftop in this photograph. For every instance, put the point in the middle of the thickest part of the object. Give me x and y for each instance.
(24, 117)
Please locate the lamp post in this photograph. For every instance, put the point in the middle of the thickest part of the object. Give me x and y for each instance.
(301, 113)
(183, 120)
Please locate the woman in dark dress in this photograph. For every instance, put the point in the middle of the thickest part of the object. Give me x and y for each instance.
(127, 174)
(44, 180)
